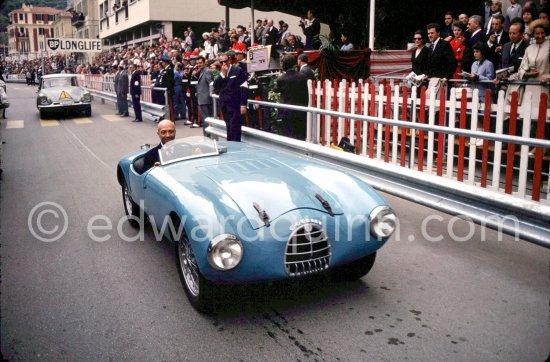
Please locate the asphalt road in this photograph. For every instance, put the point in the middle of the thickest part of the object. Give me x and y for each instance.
(441, 289)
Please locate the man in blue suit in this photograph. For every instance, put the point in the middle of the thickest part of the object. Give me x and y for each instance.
(228, 85)
(135, 92)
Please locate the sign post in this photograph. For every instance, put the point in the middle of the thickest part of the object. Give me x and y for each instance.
(258, 58)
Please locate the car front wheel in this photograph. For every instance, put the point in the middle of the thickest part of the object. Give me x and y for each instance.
(88, 112)
(130, 207)
(199, 291)
(354, 270)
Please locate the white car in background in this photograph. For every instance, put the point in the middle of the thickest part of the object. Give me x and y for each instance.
(61, 92)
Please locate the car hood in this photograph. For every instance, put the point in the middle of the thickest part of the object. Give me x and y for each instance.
(60, 93)
(273, 185)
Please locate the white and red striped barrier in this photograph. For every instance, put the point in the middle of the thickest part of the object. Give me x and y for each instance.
(509, 168)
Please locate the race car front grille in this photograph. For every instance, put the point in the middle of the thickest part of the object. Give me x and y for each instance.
(307, 251)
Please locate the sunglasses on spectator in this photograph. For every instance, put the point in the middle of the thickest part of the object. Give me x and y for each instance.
(224, 61)
(417, 38)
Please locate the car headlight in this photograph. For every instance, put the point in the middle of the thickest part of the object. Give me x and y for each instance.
(42, 99)
(383, 222)
(86, 97)
(225, 252)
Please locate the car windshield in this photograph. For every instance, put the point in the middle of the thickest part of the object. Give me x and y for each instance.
(59, 82)
(186, 148)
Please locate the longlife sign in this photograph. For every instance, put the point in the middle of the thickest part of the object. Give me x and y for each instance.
(74, 45)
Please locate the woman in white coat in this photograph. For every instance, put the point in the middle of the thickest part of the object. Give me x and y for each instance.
(535, 66)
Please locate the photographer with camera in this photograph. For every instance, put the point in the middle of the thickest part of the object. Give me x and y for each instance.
(311, 29)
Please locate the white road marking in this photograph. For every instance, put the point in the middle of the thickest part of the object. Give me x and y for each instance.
(49, 122)
(82, 120)
(15, 124)
(113, 117)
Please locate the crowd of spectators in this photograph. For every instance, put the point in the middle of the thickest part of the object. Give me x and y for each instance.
(494, 49)
(471, 47)
(488, 48)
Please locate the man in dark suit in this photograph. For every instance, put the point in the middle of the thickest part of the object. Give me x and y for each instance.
(441, 61)
(269, 35)
(512, 52)
(293, 45)
(166, 131)
(494, 41)
(228, 85)
(166, 76)
(311, 29)
(135, 92)
(179, 101)
(475, 31)
(121, 90)
(293, 88)
(204, 80)
(304, 67)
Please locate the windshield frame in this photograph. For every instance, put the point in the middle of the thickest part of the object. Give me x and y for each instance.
(198, 147)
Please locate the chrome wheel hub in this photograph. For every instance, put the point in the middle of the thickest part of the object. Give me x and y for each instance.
(189, 267)
(128, 202)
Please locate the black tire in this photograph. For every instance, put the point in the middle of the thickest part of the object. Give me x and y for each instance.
(130, 207)
(355, 270)
(88, 112)
(199, 291)
(43, 114)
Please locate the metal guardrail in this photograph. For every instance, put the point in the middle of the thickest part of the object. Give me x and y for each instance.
(527, 220)
(393, 78)
(15, 78)
(150, 110)
(533, 142)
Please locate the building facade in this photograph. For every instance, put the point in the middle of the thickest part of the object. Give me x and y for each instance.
(29, 28)
(85, 22)
(135, 22)
(62, 27)
(85, 19)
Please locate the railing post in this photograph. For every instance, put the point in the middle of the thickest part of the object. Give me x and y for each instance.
(539, 152)
(166, 105)
(215, 107)
(313, 135)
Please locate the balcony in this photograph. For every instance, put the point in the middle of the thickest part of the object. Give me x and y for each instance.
(77, 20)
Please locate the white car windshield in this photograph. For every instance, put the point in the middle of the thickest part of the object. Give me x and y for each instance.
(59, 82)
(187, 148)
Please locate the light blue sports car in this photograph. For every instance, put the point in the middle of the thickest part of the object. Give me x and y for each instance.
(240, 214)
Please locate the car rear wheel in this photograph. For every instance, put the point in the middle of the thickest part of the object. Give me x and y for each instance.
(199, 291)
(355, 270)
(130, 207)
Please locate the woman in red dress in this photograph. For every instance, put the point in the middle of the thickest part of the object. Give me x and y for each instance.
(463, 54)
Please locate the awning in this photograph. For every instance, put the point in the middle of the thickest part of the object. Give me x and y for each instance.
(325, 10)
